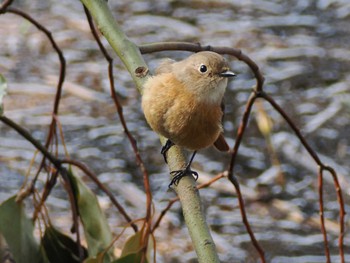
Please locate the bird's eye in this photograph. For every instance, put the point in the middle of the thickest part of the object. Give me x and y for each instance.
(203, 68)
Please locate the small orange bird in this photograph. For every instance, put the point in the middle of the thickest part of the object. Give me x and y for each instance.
(184, 103)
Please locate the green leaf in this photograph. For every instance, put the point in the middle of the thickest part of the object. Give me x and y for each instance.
(133, 249)
(17, 229)
(132, 245)
(134, 257)
(97, 232)
(3, 87)
(59, 247)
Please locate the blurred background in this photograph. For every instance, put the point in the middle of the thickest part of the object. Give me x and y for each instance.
(302, 48)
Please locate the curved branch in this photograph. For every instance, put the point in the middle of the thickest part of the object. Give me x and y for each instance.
(123, 122)
(24, 133)
(128, 134)
(93, 177)
(58, 164)
(5, 5)
(62, 60)
(322, 167)
(156, 47)
(323, 227)
(62, 64)
(240, 132)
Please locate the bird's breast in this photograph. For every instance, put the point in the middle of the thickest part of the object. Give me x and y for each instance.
(179, 114)
(193, 125)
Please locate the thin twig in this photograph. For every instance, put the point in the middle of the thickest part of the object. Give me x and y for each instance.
(292, 125)
(75, 210)
(341, 211)
(174, 200)
(5, 5)
(50, 183)
(212, 180)
(163, 212)
(61, 59)
(196, 47)
(245, 219)
(93, 177)
(59, 84)
(58, 165)
(127, 132)
(233, 180)
(240, 132)
(322, 166)
(323, 227)
(24, 133)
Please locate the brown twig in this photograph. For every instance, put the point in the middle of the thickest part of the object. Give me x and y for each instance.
(163, 212)
(323, 227)
(233, 180)
(50, 183)
(240, 132)
(212, 180)
(5, 5)
(61, 59)
(58, 165)
(75, 210)
(341, 211)
(93, 177)
(127, 132)
(322, 167)
(292, 125)
(313, 154)
(174, 200)
(59, 84)
(245, 219)
(185, 46)
(24, 133)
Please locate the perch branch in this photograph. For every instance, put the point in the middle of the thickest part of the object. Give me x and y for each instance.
(130, 54)
(155, 47)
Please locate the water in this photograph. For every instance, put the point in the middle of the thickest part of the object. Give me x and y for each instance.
(300, 46)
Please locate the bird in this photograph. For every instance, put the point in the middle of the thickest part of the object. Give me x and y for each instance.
(183, 102)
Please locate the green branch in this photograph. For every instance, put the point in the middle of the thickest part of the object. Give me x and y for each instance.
(126, 50)
(130, 54)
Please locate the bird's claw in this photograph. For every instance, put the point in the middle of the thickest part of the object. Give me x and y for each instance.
(178, 174)
(165, 148)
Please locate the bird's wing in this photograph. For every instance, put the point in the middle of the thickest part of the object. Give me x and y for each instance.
(220, 142)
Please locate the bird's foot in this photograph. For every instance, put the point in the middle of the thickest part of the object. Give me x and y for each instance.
(165, 148)
(178, 174)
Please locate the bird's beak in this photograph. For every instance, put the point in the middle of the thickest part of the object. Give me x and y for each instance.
(227, 74)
